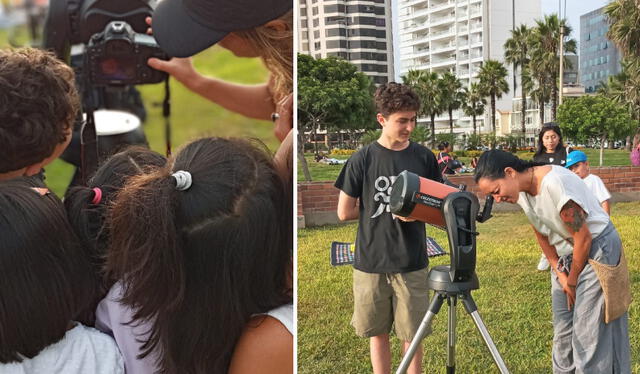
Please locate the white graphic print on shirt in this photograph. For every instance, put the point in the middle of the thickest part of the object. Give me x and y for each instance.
(383, 192)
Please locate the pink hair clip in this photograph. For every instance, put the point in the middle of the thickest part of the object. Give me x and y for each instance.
(97, 197)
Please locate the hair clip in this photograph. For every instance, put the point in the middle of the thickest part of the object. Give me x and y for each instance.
(183, 180)
(275, 116)
(97, 197)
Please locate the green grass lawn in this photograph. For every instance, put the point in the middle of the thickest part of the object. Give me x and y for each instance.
(513, 300)
(322, 172)
(192, 116)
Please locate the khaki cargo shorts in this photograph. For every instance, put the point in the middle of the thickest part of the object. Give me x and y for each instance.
(381, 300)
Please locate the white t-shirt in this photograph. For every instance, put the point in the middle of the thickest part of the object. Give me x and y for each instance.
(557, 188)
(82, 350)
(596, 185)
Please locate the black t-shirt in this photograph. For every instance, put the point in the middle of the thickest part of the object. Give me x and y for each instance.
(384, 244)
(559, 157)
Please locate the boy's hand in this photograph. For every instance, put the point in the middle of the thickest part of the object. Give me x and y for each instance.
(403, 219)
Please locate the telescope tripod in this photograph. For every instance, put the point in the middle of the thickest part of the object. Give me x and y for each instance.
(439, 281)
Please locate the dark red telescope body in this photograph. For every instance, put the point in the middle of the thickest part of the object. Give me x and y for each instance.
(419, 198)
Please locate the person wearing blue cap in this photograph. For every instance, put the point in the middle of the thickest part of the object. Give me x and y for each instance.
(577, 163)
(248, 28)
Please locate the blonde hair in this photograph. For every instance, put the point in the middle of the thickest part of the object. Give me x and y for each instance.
(276, 50)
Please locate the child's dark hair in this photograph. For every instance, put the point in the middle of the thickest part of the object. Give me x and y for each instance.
(443, 145)
(201, 245)
(87, 206)
(46, 276)
(395, 97)
(38, 104)
(492, 163)
(549, 126)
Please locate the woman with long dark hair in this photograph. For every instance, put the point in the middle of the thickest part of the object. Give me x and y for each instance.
(203, 251)
(551, 151)
(588, 337)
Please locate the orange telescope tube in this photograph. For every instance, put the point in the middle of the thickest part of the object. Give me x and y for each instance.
(419, 198)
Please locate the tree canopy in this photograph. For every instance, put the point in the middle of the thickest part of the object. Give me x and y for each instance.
(332, 93)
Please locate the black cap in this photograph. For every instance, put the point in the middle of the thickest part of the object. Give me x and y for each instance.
(183, 28)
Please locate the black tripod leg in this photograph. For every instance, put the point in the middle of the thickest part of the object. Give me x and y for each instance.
(451, 338)
(472, 309)
(434, 308)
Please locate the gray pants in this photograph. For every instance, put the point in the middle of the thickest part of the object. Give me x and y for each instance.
(582, 342)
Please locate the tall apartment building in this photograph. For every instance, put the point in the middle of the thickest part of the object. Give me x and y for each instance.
(457, 36)
(599, 57)
(357, 31)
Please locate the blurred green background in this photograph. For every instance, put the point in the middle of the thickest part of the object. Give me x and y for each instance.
(192, 116)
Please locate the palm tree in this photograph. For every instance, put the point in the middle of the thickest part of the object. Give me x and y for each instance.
(544, 43)
(516, 52)
(624, 31)
(475, 103)
(493, 83)
(450, 95)
(426, 86)
(537, 82)
(624, 17)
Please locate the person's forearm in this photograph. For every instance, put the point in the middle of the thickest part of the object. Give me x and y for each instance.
(253, 101)
(350, 213)
(581, 248)
(549, 251)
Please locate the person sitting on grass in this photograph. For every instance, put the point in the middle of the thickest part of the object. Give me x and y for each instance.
(47, 280)
(390, 267)
(559, 204)
(577, 163)
(38, 105)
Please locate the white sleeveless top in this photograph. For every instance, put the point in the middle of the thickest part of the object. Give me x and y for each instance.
(284, 314)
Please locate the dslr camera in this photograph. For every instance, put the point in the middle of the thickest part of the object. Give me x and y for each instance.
(112, 39)
(118, 56)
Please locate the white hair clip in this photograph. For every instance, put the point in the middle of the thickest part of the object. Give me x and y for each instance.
(183, 180)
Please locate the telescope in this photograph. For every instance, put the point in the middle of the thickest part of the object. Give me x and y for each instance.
(455, 211)
(448, 208)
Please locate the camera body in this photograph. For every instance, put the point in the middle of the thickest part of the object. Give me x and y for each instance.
(114, 35)
(118, 56)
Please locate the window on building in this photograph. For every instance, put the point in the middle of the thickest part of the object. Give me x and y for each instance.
(381, 22)
(337, 8)
(316, 22)
(316, 34)
(314, 11)
(335, 32)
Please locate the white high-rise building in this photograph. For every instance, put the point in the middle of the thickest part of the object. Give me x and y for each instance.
(357, 31)
(457, 36)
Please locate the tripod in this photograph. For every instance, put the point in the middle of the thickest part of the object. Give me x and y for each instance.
(439, 280)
